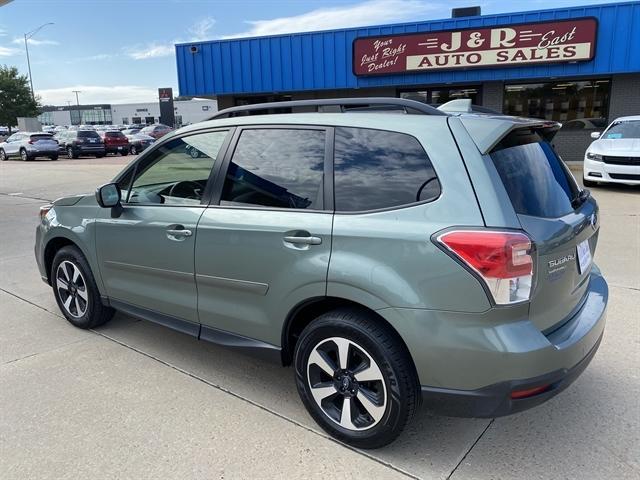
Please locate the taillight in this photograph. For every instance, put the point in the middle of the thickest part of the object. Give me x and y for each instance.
(503, 260)
(44, 209)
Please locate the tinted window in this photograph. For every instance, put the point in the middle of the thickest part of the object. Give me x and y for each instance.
(114, 134)
(88, 134)
(376, 169)
(177, 172)
(41, 136)
(535, 178)
(277, 168)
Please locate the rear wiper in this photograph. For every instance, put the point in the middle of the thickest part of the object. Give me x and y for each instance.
(580, 198)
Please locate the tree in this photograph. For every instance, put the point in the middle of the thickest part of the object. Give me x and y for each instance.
(15, 97)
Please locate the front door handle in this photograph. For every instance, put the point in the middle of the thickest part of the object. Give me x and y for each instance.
(303, 240)
(178, 233)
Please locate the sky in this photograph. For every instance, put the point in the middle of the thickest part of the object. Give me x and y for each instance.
(121, 51)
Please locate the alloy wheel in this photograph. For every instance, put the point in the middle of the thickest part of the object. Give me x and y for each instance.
(72, 289)
(347, 384)
(3, 156)
(23, 155)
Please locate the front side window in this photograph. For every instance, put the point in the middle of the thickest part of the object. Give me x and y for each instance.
(177, 172)
(278, 168)
(376, 169)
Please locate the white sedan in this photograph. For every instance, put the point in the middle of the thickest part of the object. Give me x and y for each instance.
(615, 155)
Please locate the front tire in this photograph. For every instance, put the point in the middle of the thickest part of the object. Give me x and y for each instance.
(589, 183)
(71, 154)
(133, 150)
(76, 291)
(3, 155)
(54, 157)
(356, 378)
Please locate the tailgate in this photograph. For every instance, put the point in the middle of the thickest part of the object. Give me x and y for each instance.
(561, 220)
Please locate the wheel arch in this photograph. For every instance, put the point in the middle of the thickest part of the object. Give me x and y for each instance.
(52, 247)
(305, 312)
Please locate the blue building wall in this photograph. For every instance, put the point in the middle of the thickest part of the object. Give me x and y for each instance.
(323, 60)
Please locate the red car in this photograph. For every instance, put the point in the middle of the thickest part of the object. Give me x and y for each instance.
(115, 142)
(156, 131)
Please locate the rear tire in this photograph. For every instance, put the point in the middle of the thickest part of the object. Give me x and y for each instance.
(24, 155)
(100, 155)
(54, 157)
(377, 381)
(71, 154)
(76, 291)
(124, 153)
(133, 150)
(589, 183)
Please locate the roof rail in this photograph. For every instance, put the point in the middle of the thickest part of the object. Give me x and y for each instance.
(409, 106)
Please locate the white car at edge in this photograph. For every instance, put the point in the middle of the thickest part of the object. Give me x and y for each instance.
(614, 157)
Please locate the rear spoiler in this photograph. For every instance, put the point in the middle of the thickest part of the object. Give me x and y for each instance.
(487, 131)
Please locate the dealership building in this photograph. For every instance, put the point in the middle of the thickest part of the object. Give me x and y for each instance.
(578, 65)
(185, 112)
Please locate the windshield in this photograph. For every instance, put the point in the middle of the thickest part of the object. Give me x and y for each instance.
(623, 129)
(537, 181)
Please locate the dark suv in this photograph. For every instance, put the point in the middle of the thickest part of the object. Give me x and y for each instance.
(393, 260)
(77, 143)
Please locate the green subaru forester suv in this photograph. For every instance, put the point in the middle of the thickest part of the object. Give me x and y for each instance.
(395, 254)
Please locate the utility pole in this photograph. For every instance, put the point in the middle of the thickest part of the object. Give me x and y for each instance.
(78, 104)
(27, 36)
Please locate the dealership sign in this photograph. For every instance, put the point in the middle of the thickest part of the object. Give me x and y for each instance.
(534, 43)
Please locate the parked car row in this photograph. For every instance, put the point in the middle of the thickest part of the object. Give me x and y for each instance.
(73, 144)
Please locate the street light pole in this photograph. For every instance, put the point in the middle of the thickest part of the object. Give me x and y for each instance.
(26, 47)
(78, 105)
(27, 36)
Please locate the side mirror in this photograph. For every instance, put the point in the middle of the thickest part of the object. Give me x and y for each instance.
(595, 135)
(108, 196)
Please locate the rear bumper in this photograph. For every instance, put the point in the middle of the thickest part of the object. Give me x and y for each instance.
(116, 148)
(86, 149)
(495, 400)
(470, 363)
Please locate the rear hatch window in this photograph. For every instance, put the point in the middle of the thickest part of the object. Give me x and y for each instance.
(42, 136)
(88, 134)
(115, 135)
(561, 221)
(537, 181)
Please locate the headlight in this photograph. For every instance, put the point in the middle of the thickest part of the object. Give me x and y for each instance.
(594, 156)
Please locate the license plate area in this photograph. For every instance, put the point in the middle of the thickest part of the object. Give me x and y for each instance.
(584, 256)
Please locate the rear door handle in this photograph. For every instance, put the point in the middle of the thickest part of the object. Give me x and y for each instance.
(303, 240)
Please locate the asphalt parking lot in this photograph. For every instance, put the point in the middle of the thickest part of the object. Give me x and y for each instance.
(136, 400)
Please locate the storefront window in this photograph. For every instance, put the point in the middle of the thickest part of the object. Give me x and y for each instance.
(438, 96)
(579, 105)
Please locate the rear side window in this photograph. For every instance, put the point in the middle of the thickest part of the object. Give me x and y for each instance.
(375, 169)
(277, 168)
(534, 176)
